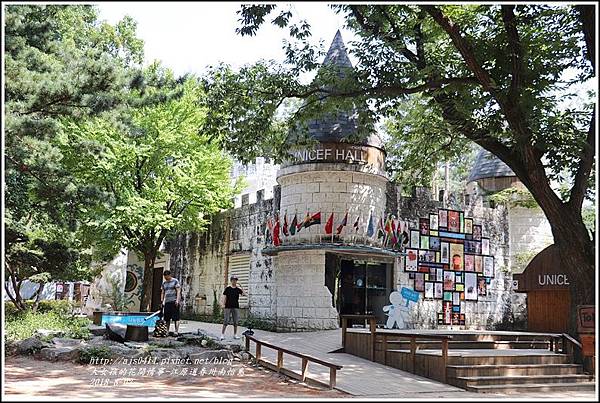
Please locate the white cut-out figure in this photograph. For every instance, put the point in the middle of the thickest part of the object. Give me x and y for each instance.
(396, 312)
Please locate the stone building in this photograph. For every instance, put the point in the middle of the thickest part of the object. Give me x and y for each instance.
(337, 264)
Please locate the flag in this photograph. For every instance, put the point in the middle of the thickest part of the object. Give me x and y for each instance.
(276, 239)
(380, 228)
(268, 230)
(394, 237)
(294, 224)
(356, 223)
(329, 225)
(315, 219)
(371, 227)
(302, 224)
(342, 224)
(285, 225)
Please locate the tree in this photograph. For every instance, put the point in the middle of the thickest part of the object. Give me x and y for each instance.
(59, 61)
(498, 75)
(160, 174)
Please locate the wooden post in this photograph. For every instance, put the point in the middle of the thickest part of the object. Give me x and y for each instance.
(372, 329)
(331, 377)
(344, 328)
(279, 360)
(445, 358)
(304, 368)
(384, 348)
(258, 348)
(552, 343)
(247, 344)
(413, 353)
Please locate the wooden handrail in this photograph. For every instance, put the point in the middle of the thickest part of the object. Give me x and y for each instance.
(305, 359)
(416, 335)
(372, 327)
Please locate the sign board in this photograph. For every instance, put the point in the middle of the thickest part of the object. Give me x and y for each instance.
(543, 273)
(339, 152)
(586, 319)
(409, 295)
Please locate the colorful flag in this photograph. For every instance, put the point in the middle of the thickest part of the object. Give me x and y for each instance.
(303, 223)
(329, 225)
(380, 228)
(356, 223)
(394, 237)
(342, 224)
(294, 224)
(315, 219)
(268, 230)
(276, 239)
(371, 227)
(285, 225)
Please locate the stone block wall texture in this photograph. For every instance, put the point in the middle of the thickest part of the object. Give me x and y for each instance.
(337, 192)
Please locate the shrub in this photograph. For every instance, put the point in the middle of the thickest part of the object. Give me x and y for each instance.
(60, 307)
(256, 322)
(89, 353)
(24, 325)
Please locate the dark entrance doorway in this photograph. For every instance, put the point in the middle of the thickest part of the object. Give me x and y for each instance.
(157, 280)
(364, 288)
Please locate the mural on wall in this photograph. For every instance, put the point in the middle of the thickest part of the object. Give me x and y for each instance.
(399, 309)
(133, 286)
(449, 260)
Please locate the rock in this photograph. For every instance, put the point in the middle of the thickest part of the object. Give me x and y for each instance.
(46, 333)
(244, 356)
(166, 343)
(101, 341)
(60, 353)
(97, 330)
(212, 355)
(165, 353)
(192, 339)
(66, 342)
(235, 348)
(120, 350)
(30, 345)
(135, 344)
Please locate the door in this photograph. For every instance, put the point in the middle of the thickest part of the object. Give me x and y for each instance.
(548, 311)
(156, 288)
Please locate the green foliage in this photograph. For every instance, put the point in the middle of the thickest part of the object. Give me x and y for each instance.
(513, 196)
(93, 353)
(59, 61)
(24, 325)
(255, 322)
(216, 308)
(589, 219)
(61, 307)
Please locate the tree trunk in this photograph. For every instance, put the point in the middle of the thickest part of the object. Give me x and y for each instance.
(38, 297)
(146, 297)
(16, 299)
(446, 183)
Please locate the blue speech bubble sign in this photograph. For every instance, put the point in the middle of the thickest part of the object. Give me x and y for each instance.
(409, 295)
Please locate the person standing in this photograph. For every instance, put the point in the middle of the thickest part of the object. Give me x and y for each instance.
(170, 297)
(231, 305)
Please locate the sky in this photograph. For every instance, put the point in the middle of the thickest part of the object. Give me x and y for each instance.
(189, 36)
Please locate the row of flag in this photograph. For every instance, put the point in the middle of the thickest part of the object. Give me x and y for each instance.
(393, 231)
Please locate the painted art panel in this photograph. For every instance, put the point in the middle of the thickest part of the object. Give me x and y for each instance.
(478, 263)
(456, 256)
(485, 246)
(424, 226)
(424, 242)
(468, 226)
(453, 221)
(433, 222)
(411, 260)
(448, 281)
(477, 232)
(445, 252)
(438, 290)
(443, 218)
(488, 266)
(482, 286)
(434, 243)
(419, 282)
(429, 286)
(469, 263)
(414, 239)
(471, 286)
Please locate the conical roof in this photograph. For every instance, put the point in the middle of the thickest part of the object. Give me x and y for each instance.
(334, 128)
(488, 165)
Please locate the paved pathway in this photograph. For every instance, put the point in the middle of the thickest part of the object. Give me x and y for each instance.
(359, 377)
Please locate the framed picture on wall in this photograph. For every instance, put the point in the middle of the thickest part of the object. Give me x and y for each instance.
(424, 242)
(488, 266)
(438, 290)
(471, 286)
(457, 256)
(433, 221)
(477, 232)
(453, 221)
(442, 218)
(485, 246)
(434, 242)
(414, 239)
(424, 226)
(468, 225)
(429, 289)
(482, 286)
(410, 260)
(478, 263)
(448, 281)
(469, 263)
(445, 252)
(419, 282)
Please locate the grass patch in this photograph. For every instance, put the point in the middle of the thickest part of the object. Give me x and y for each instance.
(23, 325)
(87, 354)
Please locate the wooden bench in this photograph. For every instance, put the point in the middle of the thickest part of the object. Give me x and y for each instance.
(333, 368)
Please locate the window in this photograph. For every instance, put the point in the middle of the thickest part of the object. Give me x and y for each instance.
(239, 265)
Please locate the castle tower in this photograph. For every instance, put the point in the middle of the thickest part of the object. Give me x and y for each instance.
(319, 275)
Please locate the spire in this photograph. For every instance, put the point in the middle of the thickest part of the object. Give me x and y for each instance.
(337, 53)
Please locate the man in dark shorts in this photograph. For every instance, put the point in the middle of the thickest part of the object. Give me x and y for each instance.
(230, 303)
(170, 297)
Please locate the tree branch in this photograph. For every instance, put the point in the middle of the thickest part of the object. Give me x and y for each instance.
(516, 52)
(587, 18)
(580, 184)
